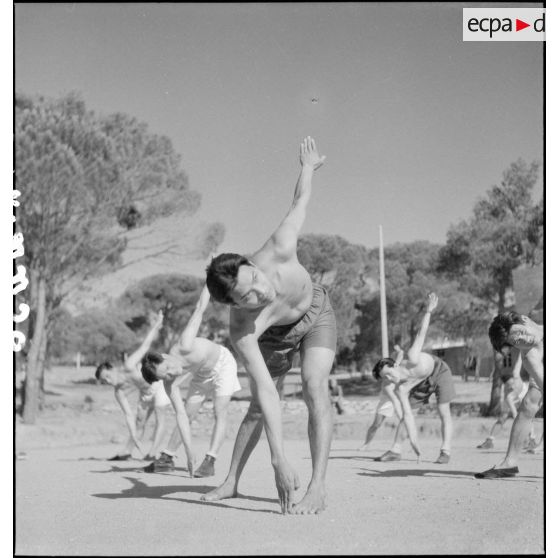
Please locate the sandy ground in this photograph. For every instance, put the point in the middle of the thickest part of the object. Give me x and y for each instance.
(71, 501)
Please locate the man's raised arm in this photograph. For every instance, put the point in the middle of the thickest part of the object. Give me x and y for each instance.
(135, 358)
(186, 341)
(414, 352)
(284, 239)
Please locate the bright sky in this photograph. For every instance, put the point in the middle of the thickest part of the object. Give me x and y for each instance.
(415, 123)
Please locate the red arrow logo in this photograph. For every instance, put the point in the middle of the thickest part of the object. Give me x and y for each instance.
(519, 25)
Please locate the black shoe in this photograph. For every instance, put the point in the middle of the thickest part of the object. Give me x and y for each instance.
(487, 444)
(123, 457)
(163, 463)
(389, 456)
(498, 473)
(443, 457)
(207, 467)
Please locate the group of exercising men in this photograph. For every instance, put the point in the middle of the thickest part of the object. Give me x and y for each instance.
(276, 311)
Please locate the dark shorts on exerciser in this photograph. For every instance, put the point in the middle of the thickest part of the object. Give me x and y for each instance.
(439, 382)
(317, 328)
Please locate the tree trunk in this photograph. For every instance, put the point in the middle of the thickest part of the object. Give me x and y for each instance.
(41, 368)
(33, 357)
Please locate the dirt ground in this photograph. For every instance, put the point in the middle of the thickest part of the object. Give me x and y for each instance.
(70, 500)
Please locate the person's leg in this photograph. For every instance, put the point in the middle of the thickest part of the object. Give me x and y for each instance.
(160, 413)
(165, 462)
(207, 466)
(371, 432)
(142, 414)
(521, 425)
(220, 408)
(444, 411)
(519, 431)
(316, 362)
(248, 436)
(496, 427)
(400, 437)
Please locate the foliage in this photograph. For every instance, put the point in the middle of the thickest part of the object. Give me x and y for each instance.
(176, 295)
(85, 181)
(338, 265)
(505, 231)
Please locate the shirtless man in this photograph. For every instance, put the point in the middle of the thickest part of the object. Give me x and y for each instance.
(275, 311)
(385, 407)
(414, 380)
(527, 337)
(128, 379)
(514, 389)
(213, 370)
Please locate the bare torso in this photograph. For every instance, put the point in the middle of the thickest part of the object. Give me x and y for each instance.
(293, 287)
(414, 373)
(201, 360)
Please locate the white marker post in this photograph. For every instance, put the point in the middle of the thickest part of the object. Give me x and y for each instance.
(383, 310)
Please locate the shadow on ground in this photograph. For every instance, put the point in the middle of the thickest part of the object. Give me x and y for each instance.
(437, 473)
(140, 489)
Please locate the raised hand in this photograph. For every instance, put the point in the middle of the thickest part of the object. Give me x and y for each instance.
(309, 154)
(432, 302)
(156, 320)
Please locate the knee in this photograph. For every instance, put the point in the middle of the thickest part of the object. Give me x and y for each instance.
(529, 408)
(254, 411)
(316, 393)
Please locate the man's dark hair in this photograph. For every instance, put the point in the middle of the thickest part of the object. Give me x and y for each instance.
(149, 365)
(500, 327)
(103, 366)
(380, 364)
(222, 275)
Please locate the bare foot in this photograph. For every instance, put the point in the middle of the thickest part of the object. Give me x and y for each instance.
(226, 490)
(314, 501)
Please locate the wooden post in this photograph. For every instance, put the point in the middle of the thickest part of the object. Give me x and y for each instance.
(383, 310)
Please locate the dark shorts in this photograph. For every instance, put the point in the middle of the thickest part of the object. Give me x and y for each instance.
(439, 382)
(317, 328)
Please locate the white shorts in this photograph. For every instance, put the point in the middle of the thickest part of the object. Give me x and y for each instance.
(156, 396)
(384, 406)
(223, 380)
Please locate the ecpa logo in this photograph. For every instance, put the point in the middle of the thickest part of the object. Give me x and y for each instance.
(503, 24)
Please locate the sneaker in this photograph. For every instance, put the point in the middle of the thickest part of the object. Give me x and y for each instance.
(531, 445)
(487, 444)
(207, 467)
(443, 457)
(388, 456)
(163, 463)
(123, 457)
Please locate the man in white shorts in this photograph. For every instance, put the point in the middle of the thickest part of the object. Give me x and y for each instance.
(385, 406)
(152, 398)
(213, 370)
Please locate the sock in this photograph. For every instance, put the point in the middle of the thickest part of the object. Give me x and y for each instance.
(396, 448)
(213, 456)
